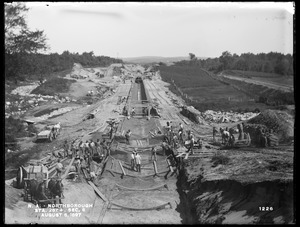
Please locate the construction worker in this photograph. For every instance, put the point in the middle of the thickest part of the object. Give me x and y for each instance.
(168, 127)
(127, 136)
(164, 146)
(57, 154)
(199, 143)
(231, 139)
(66, 148)
(215, 131)
(175, 141)
(192, 140)
(97, 149)
(111, 130)
(80, 147)
(92, 147)
(138, 161)
(132, 111)
(180, 127)
(263, 138)
(86, 148)
(92, 171)
(53, 133)
(153, 153)
(133, 159)
(71, 151)
(77, 163)
(83, 162)
(98, 142)
(59, 168)
(241, 131)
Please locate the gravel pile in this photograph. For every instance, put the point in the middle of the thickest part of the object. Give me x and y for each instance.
(27, 101)
(226, 117)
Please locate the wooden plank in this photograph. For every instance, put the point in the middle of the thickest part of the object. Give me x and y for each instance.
(169, 164)
(181, 154)
(68, 168)
(124, 173)
(155, 167)
(185, 121)
(85, 173)
(186, 156)
(102, 196)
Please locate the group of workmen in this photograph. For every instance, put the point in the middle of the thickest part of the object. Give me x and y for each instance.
(83, 153)
(175, 139)
(136, 160)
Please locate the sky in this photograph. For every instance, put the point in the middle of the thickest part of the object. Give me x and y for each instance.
(134, 29)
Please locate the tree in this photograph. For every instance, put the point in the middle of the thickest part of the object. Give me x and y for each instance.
(19, 40)
(226, 59)
(192, 56)
(282, 66)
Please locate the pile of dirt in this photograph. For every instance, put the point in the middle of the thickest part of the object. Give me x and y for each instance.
(25, 90)
(191, 113)
(281, 122)
(12, 196)
(78, 72)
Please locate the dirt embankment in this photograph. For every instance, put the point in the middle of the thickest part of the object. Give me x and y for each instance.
(229, 201)
(281, 122)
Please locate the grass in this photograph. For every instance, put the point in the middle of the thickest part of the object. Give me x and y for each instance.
(206, 92)
(252, 74)
(53, 86)
(264, 77)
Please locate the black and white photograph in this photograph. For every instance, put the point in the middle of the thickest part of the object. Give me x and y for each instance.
(168, 113)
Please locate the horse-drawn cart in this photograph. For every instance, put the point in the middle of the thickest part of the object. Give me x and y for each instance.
(37, 187)
(35, 180)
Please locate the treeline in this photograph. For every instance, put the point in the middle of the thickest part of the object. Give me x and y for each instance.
(27, 65)
(272, 62)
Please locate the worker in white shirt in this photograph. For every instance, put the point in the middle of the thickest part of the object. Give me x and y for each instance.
(133, 164)
(138, 162)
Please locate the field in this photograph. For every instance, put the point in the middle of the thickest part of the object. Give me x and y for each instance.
(204, 91)
(264, 77)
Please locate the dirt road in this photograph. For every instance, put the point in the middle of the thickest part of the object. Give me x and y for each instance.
(281, 87)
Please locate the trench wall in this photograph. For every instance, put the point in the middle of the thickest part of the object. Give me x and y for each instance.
(231, 202)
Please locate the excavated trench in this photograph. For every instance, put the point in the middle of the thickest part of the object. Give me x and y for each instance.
(201, 201)
(228, 201)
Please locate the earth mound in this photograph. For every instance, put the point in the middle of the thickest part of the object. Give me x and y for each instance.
(281, 122)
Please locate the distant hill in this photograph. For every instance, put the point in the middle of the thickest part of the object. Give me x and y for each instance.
(154, 59)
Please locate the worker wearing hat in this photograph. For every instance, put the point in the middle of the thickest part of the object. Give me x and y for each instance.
(59, 168)
(138, 161)
(77, 163)
(133, 164)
